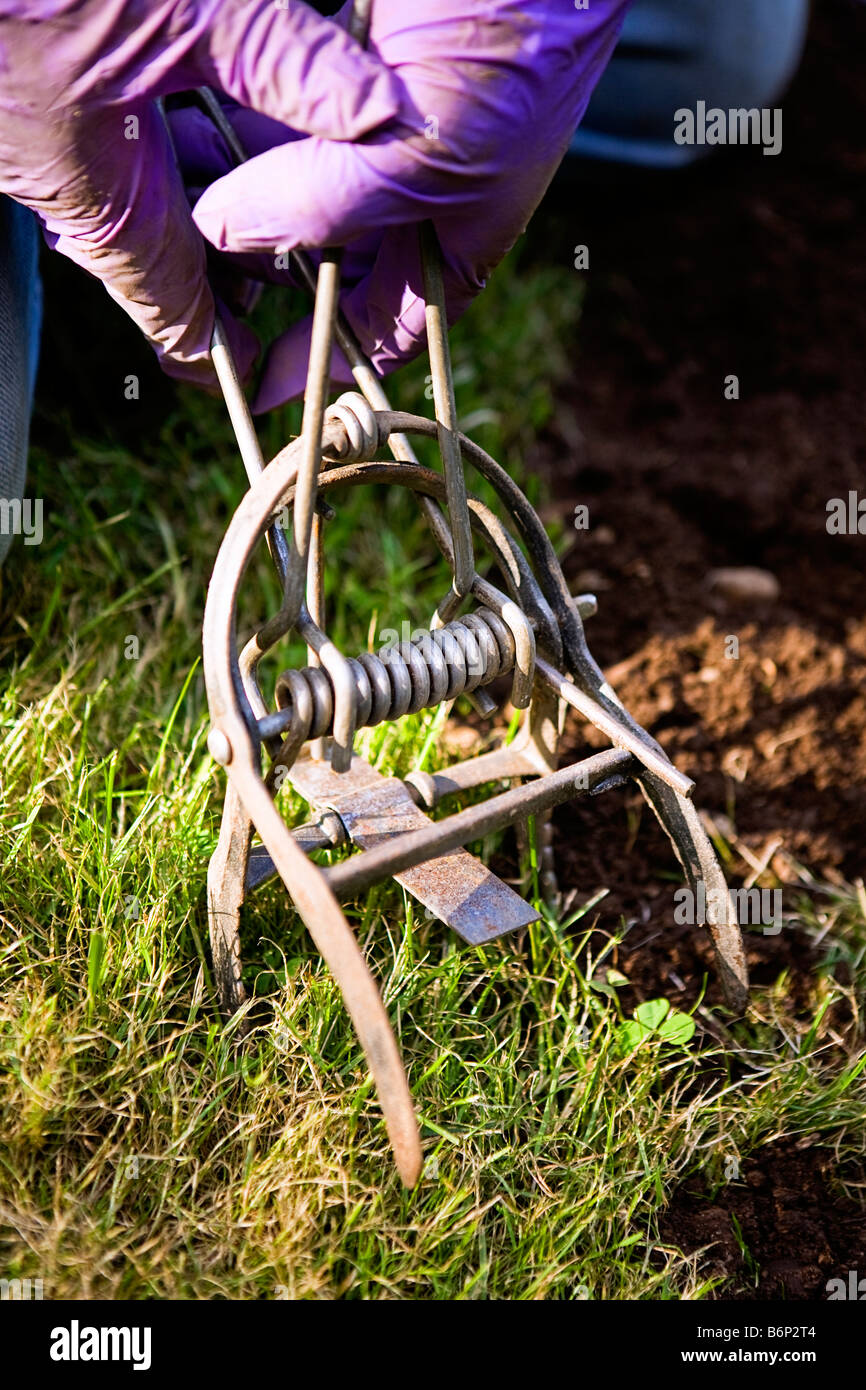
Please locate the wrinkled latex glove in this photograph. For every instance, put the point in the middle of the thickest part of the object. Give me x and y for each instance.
(461, 111)
(492, 93)
(83, 144)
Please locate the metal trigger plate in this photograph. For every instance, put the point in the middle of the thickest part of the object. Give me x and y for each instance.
(456, 888)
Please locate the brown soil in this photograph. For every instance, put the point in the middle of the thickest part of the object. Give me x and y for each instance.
(797, 1230)
(750, 266)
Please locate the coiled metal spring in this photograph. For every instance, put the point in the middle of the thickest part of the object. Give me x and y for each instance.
(433, 667)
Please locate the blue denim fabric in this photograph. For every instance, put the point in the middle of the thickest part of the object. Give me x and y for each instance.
(674, 53)
(20, 322)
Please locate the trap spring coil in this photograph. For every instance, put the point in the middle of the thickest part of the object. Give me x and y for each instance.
(435, 666)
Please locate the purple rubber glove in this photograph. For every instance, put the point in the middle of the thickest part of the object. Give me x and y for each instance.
(493, 91)
(83, 145)
(460, 111)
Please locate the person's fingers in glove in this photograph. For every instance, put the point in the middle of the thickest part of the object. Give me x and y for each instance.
(492, 95)
(130, 225)
(386, 309)
(203, 156)
(82, 144)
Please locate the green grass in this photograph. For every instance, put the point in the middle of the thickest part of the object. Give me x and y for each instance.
(146, 1153)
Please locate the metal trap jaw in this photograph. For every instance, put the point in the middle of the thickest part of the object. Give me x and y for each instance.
(529, 630)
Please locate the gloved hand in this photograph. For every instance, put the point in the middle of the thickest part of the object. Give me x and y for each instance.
(460, 111)
(84, 146)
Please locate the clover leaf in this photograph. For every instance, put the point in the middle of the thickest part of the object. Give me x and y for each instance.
(657, 1020)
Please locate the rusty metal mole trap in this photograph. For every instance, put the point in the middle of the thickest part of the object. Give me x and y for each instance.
(532, 630)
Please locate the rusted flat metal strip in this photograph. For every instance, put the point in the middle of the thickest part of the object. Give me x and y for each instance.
(456, 887)
(598, 773)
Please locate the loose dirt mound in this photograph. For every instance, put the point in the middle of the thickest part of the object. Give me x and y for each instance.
(784, 1232)
(750, 266)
